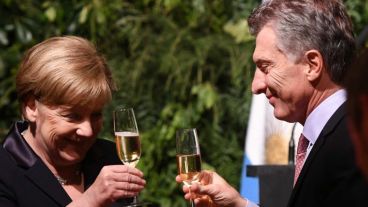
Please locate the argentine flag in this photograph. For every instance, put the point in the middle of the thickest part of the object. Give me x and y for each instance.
(263, 126)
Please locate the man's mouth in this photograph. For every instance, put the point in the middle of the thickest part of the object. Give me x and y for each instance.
(271, 99)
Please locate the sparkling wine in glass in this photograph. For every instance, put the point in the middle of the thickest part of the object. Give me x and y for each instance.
(128, 146)
(127, 139)
(188, 156)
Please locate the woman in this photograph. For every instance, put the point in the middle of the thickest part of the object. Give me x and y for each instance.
(53, 158)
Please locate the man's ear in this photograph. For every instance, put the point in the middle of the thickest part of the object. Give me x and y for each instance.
(314, 61)
(29, 109)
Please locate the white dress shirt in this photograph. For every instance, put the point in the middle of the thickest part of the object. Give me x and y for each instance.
(317, 120)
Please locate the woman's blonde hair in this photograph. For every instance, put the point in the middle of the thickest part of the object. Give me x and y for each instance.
(64, 71)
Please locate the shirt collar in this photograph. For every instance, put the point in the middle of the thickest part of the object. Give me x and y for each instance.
(321, 114)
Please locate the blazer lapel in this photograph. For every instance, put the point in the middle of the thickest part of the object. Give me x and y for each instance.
(39, 175)
(331, 124)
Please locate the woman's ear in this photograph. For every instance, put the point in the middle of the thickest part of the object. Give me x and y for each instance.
(29, 109)
(314, 61)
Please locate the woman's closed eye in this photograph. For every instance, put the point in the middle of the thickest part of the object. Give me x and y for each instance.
(73, 117)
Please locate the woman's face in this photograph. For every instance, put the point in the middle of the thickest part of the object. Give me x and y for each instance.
(63, 134)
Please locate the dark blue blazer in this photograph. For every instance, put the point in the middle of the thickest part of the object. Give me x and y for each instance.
(330, 176)
(26, 181)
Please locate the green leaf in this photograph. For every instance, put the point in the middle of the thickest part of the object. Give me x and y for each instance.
(171, 4)
(84, 14)
(239, 30)
(100, 17)
(50, 13)
(3, 38)
(207, 95)
(23, 33)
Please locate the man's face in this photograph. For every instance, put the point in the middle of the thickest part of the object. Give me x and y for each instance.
(281, 79)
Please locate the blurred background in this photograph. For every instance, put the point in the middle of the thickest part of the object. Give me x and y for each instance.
(177, 63)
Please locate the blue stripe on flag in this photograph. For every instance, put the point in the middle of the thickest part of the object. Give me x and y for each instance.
(249, 186)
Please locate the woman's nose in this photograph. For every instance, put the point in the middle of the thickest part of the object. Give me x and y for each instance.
(85, 128)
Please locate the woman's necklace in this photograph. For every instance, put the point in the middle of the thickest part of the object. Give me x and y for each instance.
(64, 181)
(61, 180)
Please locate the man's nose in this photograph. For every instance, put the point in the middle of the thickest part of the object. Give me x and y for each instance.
(259, 82)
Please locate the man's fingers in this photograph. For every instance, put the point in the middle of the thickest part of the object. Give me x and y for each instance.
(178, 179)
(195, 187)
(205, 189)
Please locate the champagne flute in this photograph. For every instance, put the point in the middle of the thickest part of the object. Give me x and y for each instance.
(127, 139)
(188, 156)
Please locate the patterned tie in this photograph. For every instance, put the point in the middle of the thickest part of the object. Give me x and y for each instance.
(300, 156)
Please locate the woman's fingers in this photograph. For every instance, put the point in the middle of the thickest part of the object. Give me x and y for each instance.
(128, 178)
(125, 169)
(120, 180)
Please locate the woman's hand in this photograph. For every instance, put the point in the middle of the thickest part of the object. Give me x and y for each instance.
(113, 182)
(212, 191)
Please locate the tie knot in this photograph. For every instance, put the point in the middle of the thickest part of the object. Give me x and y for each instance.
(302, 144)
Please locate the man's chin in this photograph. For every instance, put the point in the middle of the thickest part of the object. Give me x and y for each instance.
(283, 116)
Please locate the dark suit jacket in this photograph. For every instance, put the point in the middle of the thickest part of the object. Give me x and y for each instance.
(26, 181)
(326, 176)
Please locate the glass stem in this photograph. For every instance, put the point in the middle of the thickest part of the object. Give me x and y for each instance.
(135, 199)
(191, 201)
(192, 204)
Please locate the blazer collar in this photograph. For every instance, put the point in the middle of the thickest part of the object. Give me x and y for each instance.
(18, 147)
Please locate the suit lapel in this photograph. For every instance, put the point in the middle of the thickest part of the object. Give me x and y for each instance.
(40, 176)
(330, 125)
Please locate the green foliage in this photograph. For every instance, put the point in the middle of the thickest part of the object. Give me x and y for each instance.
(178, 63)
(181, 71)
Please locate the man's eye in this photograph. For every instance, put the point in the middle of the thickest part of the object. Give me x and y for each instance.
(262, 67)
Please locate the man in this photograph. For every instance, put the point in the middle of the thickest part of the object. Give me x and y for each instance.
(303, 50)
